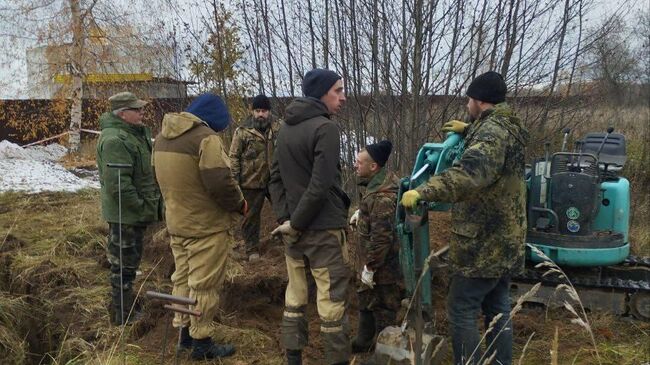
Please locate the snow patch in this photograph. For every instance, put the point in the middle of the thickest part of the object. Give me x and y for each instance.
(35, 169)
(52, 152)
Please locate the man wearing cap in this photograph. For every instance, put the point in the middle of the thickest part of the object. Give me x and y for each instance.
(378, 251)
(488, 220)
(202, 202)
(250, 156)
(125, 140)
(312, 210)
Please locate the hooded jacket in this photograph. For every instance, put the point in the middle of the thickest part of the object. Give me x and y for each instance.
(488, 190)
(305, 183)
(129, 144)
(193, 171)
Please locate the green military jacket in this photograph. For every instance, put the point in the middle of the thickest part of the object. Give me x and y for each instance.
(250, 155)
(120, 142)
(378, 246)
(489, 194)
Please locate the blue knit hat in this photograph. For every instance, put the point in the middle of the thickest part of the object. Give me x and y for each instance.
(318, 82)
(211, 109)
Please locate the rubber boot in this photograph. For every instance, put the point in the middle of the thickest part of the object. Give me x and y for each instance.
(206, 349)
(294, 357)
(364, 340)
(185, 342)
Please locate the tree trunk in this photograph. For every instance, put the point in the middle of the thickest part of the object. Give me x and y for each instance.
(76, 73)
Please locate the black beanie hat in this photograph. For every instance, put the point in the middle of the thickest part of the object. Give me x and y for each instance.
(318, 82)
(488, 87)
(380, 151)
(261, 102)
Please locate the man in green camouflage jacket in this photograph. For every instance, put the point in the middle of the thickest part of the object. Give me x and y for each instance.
(488, 220)
(250, 155)
(378, 251)
(125, 140)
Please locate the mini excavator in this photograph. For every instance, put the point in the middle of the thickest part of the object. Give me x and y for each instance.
(578, 214)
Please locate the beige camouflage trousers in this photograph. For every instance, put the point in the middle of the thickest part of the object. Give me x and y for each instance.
(326, 254)
(200, 272)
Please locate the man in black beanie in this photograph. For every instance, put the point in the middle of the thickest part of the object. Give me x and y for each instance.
(312, 211)
(488, 192)
(251, 151)
(485, 91)
(378, 250)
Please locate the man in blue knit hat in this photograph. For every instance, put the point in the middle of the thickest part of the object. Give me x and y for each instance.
(203, 201)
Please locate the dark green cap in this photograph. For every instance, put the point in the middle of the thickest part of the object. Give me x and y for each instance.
(125, 100)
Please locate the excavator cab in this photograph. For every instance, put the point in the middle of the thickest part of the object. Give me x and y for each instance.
(578, 205)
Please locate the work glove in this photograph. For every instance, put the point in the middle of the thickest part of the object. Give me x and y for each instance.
(455, 126)
(354, 219)
(367, 277)
(410, 199)
(288, 235)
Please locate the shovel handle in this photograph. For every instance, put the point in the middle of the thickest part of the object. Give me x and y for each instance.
(182, 310)
(171, 298)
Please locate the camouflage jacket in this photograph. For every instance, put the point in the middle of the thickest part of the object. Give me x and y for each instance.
(378, 246)
(250, 155)
(489, 194)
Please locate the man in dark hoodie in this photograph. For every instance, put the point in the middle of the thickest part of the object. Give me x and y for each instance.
(202, 202)
(125, 140)
(250, 155)
(488, 222)
(312, 210)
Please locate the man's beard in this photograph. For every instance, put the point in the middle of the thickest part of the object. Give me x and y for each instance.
(261, 122)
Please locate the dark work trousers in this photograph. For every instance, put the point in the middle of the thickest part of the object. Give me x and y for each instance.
(468, 296)
(251, 224)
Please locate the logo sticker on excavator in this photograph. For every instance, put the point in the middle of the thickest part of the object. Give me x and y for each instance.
(573, 226)
(573, 213)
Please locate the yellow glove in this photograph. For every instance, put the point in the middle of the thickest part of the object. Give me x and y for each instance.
(410, 199)
(455, 126)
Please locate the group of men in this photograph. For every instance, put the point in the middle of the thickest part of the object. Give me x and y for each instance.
(206, 191)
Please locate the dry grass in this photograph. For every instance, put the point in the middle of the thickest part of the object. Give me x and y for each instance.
(53, 253)
(84, 157)
(13, 311)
